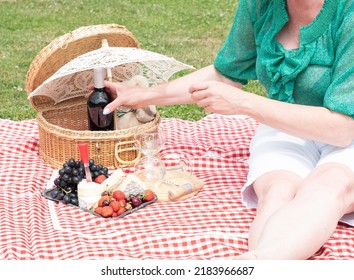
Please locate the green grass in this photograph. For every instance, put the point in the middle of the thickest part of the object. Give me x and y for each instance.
(191, 31)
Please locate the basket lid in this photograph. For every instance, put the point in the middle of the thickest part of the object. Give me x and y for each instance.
(69, 46)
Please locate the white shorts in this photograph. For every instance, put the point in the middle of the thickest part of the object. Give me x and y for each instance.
(272, 150)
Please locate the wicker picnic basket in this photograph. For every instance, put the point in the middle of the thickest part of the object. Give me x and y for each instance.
(63, 125)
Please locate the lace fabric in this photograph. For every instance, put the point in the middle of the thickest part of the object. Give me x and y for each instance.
(72, 79)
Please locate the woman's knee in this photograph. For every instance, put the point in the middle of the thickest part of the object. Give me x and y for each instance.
(331, 180)
(276, 186)
(334, 176)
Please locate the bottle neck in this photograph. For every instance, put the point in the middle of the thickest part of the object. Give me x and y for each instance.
(98, 78)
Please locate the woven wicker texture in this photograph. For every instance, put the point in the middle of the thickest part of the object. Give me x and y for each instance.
(62, 126)
(61, 130)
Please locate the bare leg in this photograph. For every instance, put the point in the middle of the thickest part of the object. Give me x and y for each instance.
(273, 190)
(299, 228)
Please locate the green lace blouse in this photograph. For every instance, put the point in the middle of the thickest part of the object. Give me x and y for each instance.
(319, 73)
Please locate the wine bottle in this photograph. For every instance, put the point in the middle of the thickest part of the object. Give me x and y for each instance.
(97, 102)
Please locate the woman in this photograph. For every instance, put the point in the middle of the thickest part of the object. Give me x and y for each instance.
(301, 168)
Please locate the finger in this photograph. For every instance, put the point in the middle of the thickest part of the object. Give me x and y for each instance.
(111, 87)
(90, 88)
(111, 106)
(203, 103)
(87, 95)
(201, 98)
(208, 109)
(198, 87)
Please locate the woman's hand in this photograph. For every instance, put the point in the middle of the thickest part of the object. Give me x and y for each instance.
(121, 95)
(309, 122)
(218, 97)
(110, 87)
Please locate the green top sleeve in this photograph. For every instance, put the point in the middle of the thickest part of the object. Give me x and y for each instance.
(318, 73)
(237, 57)
(340, 94)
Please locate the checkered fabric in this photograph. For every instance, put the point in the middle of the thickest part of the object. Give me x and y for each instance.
(211, 225)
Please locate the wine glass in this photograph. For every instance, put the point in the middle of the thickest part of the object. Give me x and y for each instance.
(150, 143)
(150, 169)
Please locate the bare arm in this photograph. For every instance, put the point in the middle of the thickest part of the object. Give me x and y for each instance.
(216, 94)
(171, 93)
(309, 122)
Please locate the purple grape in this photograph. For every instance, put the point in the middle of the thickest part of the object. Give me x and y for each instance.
(66, 199)
(62, 183)
(105, 202)
(60, 196)
(71, 162)
(57, 182)
(76, 179)
(54, 193)
(74, 201)
(136, 201)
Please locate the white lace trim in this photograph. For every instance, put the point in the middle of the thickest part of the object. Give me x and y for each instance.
(73, 78)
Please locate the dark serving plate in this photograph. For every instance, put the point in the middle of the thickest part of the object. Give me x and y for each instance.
(46, 194)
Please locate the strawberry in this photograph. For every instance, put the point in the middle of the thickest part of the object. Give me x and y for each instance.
(107, 211)
(100, 178)
(115, 205)
(121, 211)
(98, 210)
(122, 202)
(148, 195)
(118, 195)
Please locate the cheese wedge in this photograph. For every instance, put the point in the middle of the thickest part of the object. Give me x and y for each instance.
(89, 193)
(114, 180)
(132, 185)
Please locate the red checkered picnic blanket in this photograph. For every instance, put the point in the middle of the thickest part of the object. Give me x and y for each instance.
(211, 225)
